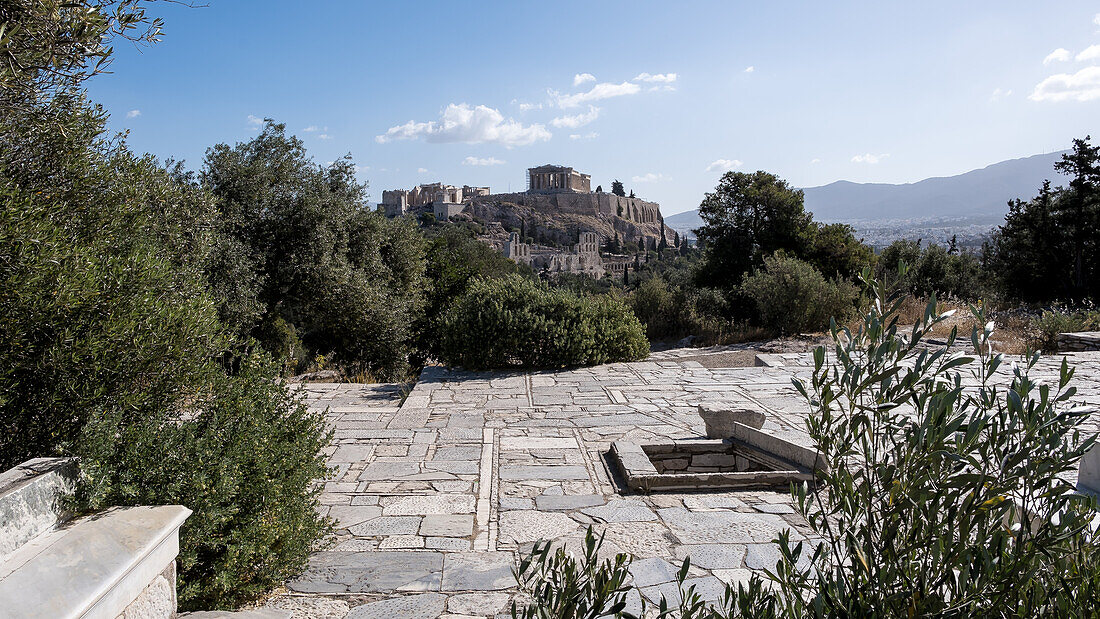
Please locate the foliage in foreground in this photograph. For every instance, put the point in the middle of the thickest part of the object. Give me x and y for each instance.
(513, 321)
(940, 501)
(245, 462)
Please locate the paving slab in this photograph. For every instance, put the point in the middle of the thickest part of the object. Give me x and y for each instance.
(370, 572)
(478, 571)
(423, 606)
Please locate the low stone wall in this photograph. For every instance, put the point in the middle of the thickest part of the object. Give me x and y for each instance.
(1079, 342)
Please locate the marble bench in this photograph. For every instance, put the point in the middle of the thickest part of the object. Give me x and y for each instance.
(116, 563)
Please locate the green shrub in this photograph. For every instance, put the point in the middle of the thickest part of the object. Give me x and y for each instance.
(791, 296)
(455, 257)
(513, 321)
(94, 321)
(1046, 326)
(660, 308)
(245, 462)
(933, 270)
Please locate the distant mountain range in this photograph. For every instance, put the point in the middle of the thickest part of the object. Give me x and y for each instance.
(978, 194)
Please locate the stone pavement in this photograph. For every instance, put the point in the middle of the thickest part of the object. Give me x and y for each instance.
(436, 495)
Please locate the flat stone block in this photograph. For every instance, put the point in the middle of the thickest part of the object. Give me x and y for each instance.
(652, 571)
(713, 556)
(478, 604)
(423, 606)
(431, 504)
(448, 525)
(531, 526)
(722, 527)
(622, 510)
(370, 572)
(517, 472)
(349, 515)
(457, 453)
(568, 502)
(527, 443)
(478, 571)
(386, 525)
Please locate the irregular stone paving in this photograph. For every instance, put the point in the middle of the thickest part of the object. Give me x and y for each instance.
(436, 495)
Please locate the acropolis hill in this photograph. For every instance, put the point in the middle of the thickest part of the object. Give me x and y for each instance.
(557, 207)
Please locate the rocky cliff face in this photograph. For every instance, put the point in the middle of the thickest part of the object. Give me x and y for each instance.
(559, 218)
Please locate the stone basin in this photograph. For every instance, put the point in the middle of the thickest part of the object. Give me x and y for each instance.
(749, 459)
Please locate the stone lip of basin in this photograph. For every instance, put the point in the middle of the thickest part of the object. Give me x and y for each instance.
(750, 458)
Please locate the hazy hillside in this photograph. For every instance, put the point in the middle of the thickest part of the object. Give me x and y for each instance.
(979, 193)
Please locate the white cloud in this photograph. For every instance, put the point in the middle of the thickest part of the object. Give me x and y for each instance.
(578, 120)
(869, 158)
(723, 165)
(1092, 52)
(325, 136)
(581, 78)
(750, 69)
(666, 78)
(1081, 86)
(999, 94)
(816, 160)
(1059, 55)
(310, 129)
(471, 125)
(605, 90)
(254, 122)
(587, 136)
(649, 178)
(422, 170)
(524, 107)
(1096, 20)
(133, 113)
(482, 161)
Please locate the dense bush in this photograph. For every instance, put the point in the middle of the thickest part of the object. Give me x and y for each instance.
(94, 321)
(454, 259)
(303, 248)
(516, 322)
(673, 312)
(792, 296)
(254, 494)
(933, 270)
(1047, 325)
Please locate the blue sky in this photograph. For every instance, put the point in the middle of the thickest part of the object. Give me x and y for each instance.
(664, 96)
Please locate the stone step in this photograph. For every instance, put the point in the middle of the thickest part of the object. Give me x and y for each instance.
(117, 562)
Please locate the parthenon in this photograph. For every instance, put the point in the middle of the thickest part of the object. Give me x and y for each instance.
(549, 178)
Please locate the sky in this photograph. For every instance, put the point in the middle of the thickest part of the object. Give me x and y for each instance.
(665, 96)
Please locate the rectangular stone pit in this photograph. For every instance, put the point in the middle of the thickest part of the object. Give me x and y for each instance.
(751, 460)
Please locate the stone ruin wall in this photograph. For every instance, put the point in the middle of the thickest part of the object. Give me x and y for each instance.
(635, 210)
(640, 219)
